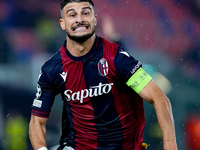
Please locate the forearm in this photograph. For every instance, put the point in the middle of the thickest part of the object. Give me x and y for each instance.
(154, 95)
(165, 118)
(37, 134)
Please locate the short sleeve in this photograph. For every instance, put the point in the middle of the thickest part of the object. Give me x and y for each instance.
(44, 96)
(125, 64)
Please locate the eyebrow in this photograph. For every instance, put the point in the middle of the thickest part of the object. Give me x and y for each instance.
(74, 9)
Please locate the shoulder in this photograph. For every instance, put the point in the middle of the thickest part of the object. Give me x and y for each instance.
(109, 45)
(53, 62)
(110, 49)
(52, 67)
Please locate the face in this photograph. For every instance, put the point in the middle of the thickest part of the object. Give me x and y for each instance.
(79, 21)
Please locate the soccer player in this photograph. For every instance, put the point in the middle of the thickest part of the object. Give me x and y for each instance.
(102, 89)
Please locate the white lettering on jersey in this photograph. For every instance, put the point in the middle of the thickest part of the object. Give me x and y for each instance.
(93, 91)
(136, 67)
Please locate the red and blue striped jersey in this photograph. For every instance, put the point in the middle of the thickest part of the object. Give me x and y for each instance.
(99, 110)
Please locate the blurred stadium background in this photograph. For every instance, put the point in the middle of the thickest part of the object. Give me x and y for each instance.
(163, 34)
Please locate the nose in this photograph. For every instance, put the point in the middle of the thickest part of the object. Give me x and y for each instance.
(79, 19)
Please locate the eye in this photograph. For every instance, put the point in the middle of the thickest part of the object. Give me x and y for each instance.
(86, 13)
(72, 15)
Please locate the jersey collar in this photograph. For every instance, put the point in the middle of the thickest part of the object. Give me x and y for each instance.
(84, 57)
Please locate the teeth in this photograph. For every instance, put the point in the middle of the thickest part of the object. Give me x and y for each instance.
(80, 28)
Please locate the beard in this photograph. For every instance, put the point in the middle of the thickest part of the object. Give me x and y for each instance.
(81, 38)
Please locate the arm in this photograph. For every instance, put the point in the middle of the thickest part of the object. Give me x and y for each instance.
(153, 94)
(37, 132)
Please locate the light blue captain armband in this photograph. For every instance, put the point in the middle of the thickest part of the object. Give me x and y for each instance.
(139, 80)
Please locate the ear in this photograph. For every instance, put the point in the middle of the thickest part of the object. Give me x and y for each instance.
(62, 24)
(95, 21)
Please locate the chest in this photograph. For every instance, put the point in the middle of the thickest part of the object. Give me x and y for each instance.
(87, 79)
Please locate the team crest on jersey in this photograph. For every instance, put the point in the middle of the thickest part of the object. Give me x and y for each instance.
(103, 67)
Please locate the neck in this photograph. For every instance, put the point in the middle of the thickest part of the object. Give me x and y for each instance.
(80, 49)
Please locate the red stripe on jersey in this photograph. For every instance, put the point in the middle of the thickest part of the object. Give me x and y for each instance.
(123, 104)
(40, 113)
(83, 113)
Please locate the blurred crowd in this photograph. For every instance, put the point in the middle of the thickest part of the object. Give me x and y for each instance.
(27, 28)
(164, 34)
(172, 27)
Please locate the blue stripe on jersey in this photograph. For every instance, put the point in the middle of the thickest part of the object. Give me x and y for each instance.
(68, 131)
(106, 118)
